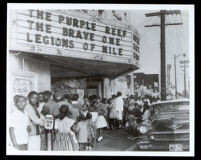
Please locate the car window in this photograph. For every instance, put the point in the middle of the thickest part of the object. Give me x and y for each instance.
(170, 107)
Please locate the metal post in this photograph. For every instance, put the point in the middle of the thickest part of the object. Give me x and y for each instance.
(188, 88)
(163, 61)
(184, 62)
(175, 71)
(49, 141)
(49, 125)
(184, 79)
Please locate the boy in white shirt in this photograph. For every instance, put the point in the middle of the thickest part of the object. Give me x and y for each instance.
(19, 125)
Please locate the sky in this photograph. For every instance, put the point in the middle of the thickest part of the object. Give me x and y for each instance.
(176, 43)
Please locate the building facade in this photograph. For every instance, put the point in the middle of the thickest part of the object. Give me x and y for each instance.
(72, 51)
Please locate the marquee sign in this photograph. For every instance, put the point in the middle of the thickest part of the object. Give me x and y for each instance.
(48, 31)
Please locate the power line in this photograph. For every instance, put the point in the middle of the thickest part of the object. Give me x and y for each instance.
(171, 46)
(180, 30)
(180, 35)
(148, 30)
(177, 35)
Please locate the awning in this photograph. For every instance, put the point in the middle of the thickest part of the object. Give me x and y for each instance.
(68, 67)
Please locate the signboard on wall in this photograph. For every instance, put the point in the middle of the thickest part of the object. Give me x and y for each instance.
(22, 86)
(23, 83)
(46, 31)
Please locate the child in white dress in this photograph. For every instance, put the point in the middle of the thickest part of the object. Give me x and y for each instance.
(65, 138)
(101, 122)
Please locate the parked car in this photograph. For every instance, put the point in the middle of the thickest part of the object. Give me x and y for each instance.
(168, 128)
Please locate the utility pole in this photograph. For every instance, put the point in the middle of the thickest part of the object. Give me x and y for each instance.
(162, 25)
(188, 87)
(184, 62)
(175, 76)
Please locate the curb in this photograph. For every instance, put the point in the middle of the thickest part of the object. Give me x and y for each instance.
(132, 147)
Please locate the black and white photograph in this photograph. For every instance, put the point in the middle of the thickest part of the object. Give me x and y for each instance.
(100, 79)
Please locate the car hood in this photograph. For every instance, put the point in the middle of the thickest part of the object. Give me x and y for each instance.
(170, 121)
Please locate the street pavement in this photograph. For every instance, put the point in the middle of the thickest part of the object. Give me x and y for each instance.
(115, 140)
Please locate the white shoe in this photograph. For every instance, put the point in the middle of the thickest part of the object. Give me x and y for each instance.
(90, 148)
(100, 138)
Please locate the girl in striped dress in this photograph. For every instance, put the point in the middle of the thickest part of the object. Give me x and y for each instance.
(65, 139)
(90, 132)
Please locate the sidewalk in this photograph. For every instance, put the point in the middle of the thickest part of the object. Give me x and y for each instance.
(115, 140)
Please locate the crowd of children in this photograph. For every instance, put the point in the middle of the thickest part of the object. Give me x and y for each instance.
(77, 126)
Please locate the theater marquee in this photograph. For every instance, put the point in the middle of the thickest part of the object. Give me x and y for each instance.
(49, 32)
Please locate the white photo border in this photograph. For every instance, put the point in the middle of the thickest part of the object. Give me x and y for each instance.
(189, 8)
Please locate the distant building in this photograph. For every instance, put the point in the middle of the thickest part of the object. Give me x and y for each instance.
(151, 81)
(148, 83)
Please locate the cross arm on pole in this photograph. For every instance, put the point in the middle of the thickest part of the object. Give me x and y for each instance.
(168, 24)
(163, 12)
(182, 54)
(152, 25)
(184, 61)
(153, 14)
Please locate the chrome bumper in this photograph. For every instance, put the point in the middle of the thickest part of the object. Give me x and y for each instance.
(145, 145)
